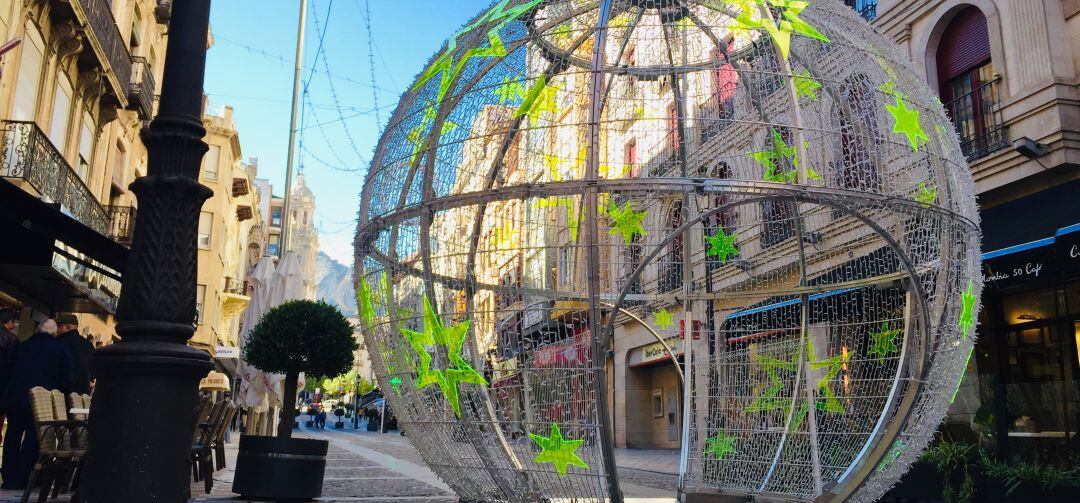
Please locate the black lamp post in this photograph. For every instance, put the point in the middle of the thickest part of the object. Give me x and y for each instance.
(143, 414)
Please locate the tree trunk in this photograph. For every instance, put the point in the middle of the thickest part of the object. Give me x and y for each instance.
(288, 406)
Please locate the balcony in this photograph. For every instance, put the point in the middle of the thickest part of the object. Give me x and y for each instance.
(866, 8)
(978, 121)
(141, 91)
(715, 115)
(121, 224)
(234, 298)
(235, 286)
(30, 158)
(108, 44)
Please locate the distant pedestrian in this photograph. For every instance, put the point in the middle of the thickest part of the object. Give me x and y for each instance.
(7, 343)
(320, 419)
(39, 361)
(80, 348)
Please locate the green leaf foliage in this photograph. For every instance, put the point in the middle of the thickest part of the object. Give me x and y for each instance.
(302, 336)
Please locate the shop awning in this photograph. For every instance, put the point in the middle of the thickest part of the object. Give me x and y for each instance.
(1034, 262)
(790, 302)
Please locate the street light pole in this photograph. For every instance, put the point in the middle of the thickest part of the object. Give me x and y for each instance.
(143, 414)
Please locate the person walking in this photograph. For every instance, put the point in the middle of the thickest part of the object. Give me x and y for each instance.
(80, 349)
(39, 361)
(8, 339)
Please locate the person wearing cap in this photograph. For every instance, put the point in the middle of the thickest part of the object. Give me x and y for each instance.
(80, 349)
(38, 361)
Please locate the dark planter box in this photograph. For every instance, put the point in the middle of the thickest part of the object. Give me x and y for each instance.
(309, 424)
(339, 425)
(923, 483)
(277, 469)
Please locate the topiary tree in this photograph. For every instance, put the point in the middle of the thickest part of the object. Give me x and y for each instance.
(300, 336)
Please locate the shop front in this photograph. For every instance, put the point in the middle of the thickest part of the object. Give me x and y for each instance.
(653, 405)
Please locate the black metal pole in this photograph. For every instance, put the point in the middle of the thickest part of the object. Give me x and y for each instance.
(143, 414)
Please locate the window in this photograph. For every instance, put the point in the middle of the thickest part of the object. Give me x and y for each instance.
(856, 169)
(200, 302)
(777, 222)
(136, 27)
(206, 228)
(866, 8)
(87, 140)
(61, 116)
(29, 79)
(968, 84)
(671, 272)
(565, 275)
(275, 217)
(673, 127)
(210, 163)
(272, 248)
(119, 164)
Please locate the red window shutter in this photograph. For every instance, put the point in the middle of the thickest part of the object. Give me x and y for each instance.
(964, 45)
(673, 126)
(724, 78)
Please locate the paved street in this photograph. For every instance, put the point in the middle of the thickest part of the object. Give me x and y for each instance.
(370, 467)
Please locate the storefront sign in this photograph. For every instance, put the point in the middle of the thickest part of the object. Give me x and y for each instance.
(226, 352)
(655, 352)
(1036, 264)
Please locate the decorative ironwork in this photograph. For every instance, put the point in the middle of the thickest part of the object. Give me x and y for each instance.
(866, 8)
(978, 121)
(108, 43)
(235, 286)
(121, 223)
(29, 155)
(141, 95)
(804, 212)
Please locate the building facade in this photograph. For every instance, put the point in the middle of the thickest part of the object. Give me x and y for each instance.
(1007, 72)
(75, 92)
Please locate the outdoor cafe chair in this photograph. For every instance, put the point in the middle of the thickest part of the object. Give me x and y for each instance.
(61, 444)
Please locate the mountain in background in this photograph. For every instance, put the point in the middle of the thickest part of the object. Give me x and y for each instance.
(335, 284)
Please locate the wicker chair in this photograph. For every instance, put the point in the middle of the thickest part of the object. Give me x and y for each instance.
(219, 437)
(61, 442)
(202, 467)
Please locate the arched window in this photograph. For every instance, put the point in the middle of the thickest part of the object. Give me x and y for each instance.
(968, 84)
(672, 261)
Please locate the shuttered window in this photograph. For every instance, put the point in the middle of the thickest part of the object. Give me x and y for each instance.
(964, 45)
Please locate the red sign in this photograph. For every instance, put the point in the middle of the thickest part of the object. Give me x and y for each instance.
(697, 329)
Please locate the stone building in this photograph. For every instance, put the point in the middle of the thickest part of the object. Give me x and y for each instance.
(74, 95)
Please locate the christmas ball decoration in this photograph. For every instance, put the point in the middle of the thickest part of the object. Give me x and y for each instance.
(761, 190)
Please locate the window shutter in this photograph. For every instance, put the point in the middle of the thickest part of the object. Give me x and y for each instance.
(964, 45)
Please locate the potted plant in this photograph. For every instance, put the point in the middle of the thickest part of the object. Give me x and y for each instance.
(339, 424)
(297, 336)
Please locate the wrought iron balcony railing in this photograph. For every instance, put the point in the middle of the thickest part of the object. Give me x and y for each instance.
(108, 41)
(715, 115)
(235, 286)
(141, 91)
(121, 223)
(978, 121)
(30, 156)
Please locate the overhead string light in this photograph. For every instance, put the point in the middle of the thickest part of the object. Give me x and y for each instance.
(321, 54)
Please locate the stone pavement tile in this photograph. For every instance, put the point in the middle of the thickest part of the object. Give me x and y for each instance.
(380, 487)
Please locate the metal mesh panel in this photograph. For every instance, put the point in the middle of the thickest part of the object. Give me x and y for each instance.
(769, 173)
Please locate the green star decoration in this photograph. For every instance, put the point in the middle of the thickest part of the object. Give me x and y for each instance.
(395, 382)
(452, 339)
(625, 221)
(365, 303)
(884, 342)
(768, 401)
(720, 446)
(558, 451)
(906, 122)
(927, 195)
(499, 16)
(418, 135)
(509, 90)
(806, 86)
(663, 319)
(967, 312)
(893, 454)
(540, 98)
(722, 245)
(775, 158)
(962, 374)
(781, 30)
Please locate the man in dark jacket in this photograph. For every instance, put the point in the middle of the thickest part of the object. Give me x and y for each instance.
(39, 361)
(7, 343)
(80, 348)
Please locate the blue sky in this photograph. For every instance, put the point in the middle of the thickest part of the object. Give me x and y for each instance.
(250, 68)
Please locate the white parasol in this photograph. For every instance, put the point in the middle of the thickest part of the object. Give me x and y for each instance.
(252, 382)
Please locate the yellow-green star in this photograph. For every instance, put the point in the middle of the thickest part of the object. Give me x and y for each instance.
(662, 318)
(768, 400)
(509, 90)
(721, 245)
(540, 98)
(806, 86)
(891, 456)
(927, 195)
(452, 339)
(775, 158)
(781, 30)
(558, 451)
(906, 122)
(883, 342)
(960, 381)
(967, 312)
(365, 304)
(499, 16)
(625, 221)
(720, 446)
(418, 135)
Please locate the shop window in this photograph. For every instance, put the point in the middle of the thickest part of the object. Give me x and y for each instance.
(969, 86)
(206, 229)
(211, 162)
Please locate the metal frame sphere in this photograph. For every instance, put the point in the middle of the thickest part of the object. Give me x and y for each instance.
(770, 176)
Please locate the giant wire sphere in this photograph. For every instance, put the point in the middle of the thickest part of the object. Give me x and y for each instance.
(570, 189)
